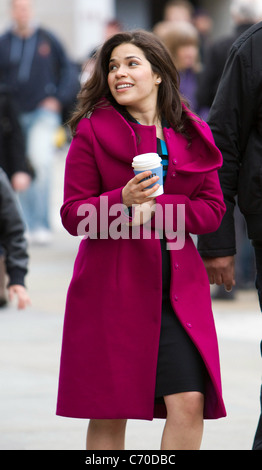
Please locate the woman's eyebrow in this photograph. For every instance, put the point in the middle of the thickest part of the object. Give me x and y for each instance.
(132, 57)
(126, 58)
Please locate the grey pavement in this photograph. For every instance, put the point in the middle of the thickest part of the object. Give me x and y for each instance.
(30, 343)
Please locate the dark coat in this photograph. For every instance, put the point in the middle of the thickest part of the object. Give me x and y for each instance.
(12, 142)
(236, 123)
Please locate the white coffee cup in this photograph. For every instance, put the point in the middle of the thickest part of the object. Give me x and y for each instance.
(152, 162)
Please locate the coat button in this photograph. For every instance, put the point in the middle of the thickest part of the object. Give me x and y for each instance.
(174, 161)
(189, 325)
(176, 298)
(176, 266)
(174, 174)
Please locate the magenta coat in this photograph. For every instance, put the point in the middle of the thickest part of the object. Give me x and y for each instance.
(113, 309)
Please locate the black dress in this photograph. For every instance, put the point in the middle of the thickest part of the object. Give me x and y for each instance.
(180, 367)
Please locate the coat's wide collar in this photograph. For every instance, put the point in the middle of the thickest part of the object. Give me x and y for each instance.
(123, 140)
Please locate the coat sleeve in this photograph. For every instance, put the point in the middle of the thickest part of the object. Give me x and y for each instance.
(202, 212)
(86, 209)
(12, 233)
(230, 120)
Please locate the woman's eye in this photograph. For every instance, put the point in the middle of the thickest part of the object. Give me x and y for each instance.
(113, 67)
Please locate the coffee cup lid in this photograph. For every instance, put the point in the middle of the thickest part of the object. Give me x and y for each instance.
(146, 158)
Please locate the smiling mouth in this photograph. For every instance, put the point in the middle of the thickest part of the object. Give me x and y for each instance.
(123, 86)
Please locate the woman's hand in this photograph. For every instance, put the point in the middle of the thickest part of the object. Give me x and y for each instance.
(143, 212)
(136, 192)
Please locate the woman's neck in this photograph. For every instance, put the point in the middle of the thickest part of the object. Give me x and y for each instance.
(148, 119)
(145, 118)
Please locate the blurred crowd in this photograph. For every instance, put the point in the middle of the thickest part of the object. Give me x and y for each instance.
(39, 84)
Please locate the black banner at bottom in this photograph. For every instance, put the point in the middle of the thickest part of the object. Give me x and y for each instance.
(131, 458)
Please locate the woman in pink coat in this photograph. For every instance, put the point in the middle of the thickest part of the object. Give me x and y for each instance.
(139, 338)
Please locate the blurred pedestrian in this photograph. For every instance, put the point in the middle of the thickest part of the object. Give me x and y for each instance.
(111, 27)
(178, 10)
(12, 160)
(112, 368)
(204, 23)
(244, 14)
(13, 241)
(33, 63)
(236, 123)
(182, 40)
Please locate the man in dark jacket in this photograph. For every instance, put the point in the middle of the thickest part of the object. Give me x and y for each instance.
(236, 122)
(244, 14)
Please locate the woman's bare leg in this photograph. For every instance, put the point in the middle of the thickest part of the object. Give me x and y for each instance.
(184, 424)
(106, 434)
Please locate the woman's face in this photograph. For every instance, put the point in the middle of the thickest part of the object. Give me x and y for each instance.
(131, 79)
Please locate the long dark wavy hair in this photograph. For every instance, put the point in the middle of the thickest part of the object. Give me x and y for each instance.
(96, 88)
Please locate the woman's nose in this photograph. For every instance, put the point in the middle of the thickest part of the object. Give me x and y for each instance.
(121, 71)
